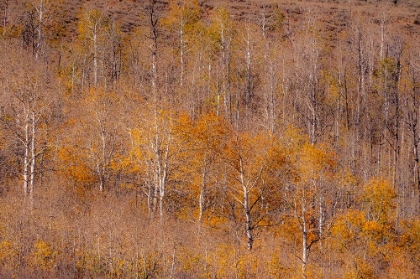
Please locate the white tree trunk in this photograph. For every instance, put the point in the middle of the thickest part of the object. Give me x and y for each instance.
(201, 199)
(304, 231)
(95, 54)
(33, 158)
(40, 27)
(26, 156)
(247, 210)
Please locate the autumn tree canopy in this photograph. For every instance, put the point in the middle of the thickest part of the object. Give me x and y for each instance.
(209, 139)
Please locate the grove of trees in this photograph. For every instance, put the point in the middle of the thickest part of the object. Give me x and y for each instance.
(195, 141)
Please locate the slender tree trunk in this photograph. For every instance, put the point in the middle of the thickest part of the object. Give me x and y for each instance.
(248, 74)
(271, 114)
(181, 48)
(26, 156)
(154, 48)
(162, 185)
(201, 199)
(397, 122)
(161, 160)
(155, 189)
(95, 55)
(321, 220)
(304, 231)
(304, 247)
(40, 29)
(102, 162)
(226, 69)
(246, 207)
(381, 51)
(416, 172)
(248, 227)
(346, 101)
(116, 53)
(33, 158)
(361, 68)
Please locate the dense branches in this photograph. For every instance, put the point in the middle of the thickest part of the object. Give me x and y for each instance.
(291, 143)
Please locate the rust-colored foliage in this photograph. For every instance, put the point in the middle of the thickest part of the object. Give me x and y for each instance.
(185, 139)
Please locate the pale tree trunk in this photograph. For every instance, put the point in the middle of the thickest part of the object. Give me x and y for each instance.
(103, 159)
(95, 54)
(263, 23)
(158, 175)
(248, 227)
(150, 190)
(73, 75)
(361, 81)
(346, 99)
(223, 48)
(106, 142)
(247, 185)
(116, 53)
(226, 69)
(95, 23)
(246, 206)
(312, 90)
(304, 230)
(342, 83)
(201, 199)
(248, 90)
(242, 194)
(33, 159)
(209, 81)
(101, 164)
(154, 47)
(26, 158)
(381, 51)
(161, 149)
(284, 88)
(321, 219)
(155, 189)
(271, 97)
(29, 159)
(181, 47)
(416, 161)
(40, 29)
(301, 213)
(163, 176)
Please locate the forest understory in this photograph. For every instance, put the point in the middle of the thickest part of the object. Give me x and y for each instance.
(209, 139)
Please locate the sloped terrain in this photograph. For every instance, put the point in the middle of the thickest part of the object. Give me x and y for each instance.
(227, 139)
(333, 14)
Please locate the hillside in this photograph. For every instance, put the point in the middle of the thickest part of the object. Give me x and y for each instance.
(332, 13)
(209, 139)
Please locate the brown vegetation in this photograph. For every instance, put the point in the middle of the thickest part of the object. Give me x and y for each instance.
(209, 139)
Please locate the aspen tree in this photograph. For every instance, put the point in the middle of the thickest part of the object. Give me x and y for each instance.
(224, 25)
(182, 18)
(154, 152)
(92, 29)
(311, 170)
(203, 141)
(246, 72)
(26, 116)
(249, 160)
(40, 8)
